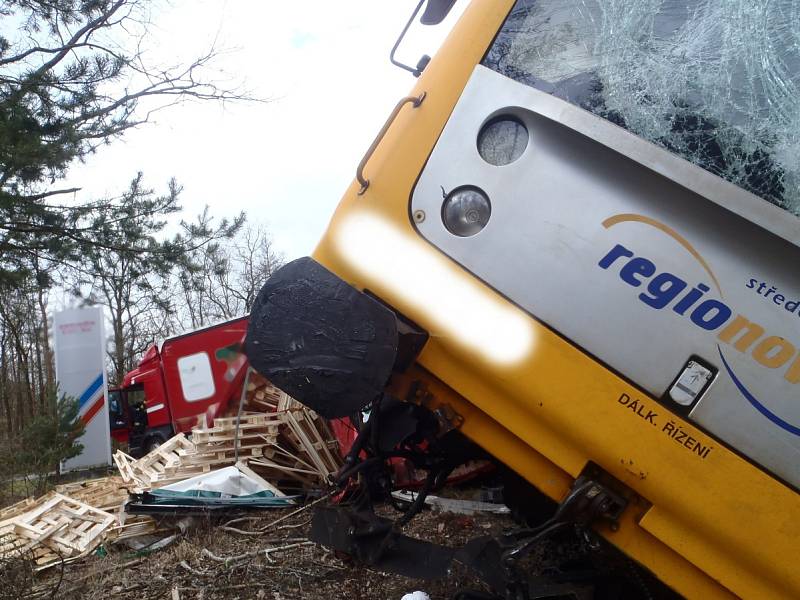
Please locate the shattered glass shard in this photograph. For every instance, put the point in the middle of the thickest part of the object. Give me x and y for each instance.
(714, 82)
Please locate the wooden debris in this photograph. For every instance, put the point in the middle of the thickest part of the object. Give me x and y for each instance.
(249, 434)
(306, 450)
(106, 493)
(289, 442)
(312, 439)
(9, 512)
(133, 526)
(161, 466)
(275, 435)
(124, 464)
(57, 528)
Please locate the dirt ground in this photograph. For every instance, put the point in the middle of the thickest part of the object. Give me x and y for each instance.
(210, 562)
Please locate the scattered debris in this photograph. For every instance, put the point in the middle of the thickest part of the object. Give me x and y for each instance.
(263, 551)
(234, 487)
(307, 572)
(71, 522)
(57, 529)
(23, 506)
(161, 466)
(291, 442)
(305, 449)
(451, 505)
(133, 526)
(260, 394)
(214, 470)
(151, 543)
(106, 493)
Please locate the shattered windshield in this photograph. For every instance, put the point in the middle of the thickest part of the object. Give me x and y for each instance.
(714, 81)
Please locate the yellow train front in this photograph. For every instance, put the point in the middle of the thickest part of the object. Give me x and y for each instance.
(575, 244)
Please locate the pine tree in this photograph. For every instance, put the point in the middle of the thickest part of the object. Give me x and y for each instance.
(69, 83)
(49, 439)
(128, 260)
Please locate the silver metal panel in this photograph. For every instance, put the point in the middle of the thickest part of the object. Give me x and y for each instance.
(571, 198)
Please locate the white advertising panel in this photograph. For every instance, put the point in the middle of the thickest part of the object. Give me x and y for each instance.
(80, 370)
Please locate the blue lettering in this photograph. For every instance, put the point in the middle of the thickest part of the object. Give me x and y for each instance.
(616, 252)
(662, 290)
(637, 266)
(701, 319)
(665, 287)
(689, 299)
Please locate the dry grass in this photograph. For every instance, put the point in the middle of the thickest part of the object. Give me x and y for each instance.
(300, 572)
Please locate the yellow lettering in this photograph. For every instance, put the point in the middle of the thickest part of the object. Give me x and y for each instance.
(776, 359)
(754, 331)
(792, 374)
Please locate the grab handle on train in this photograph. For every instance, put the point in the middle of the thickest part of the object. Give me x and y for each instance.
(415, 102)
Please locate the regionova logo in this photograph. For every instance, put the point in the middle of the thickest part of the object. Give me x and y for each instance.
(662, 290)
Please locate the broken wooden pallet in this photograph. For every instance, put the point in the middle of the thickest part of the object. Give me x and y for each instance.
(124, 464)
(230, 429)
(290, 441)
(312, 440)
(160, 464)
(23, 506)
(105, 493)
(306, 449)
(56, 529)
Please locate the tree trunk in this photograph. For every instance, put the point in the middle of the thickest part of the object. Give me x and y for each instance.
(5, 383)
(49, 363)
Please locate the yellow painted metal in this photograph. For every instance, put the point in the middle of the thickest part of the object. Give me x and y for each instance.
(710, 527)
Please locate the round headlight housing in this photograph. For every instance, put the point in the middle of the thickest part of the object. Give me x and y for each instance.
(502, 140)
(466, 211)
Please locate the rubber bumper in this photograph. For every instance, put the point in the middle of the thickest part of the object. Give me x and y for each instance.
(320, 340)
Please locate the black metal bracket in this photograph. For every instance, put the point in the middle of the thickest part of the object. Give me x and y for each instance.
(587, 502)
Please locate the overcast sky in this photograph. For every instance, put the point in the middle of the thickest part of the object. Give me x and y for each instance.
(286, 163)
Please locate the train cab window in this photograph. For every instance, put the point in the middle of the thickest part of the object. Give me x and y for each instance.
(197, 379)
(717, 83)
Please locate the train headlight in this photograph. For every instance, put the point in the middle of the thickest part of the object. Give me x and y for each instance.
(466, 210)
(502, 140)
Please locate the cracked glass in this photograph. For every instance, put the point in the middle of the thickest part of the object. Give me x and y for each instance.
(715, 82)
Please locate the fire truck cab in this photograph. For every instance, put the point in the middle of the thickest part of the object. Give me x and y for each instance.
(178, 383)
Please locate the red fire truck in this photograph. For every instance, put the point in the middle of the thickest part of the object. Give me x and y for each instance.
(179, 382)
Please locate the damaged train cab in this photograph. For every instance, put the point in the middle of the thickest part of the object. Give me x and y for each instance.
(550, 256)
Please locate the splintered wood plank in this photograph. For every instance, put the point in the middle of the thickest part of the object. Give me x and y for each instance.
(310, 436)
(123, 462)
(302, 432)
